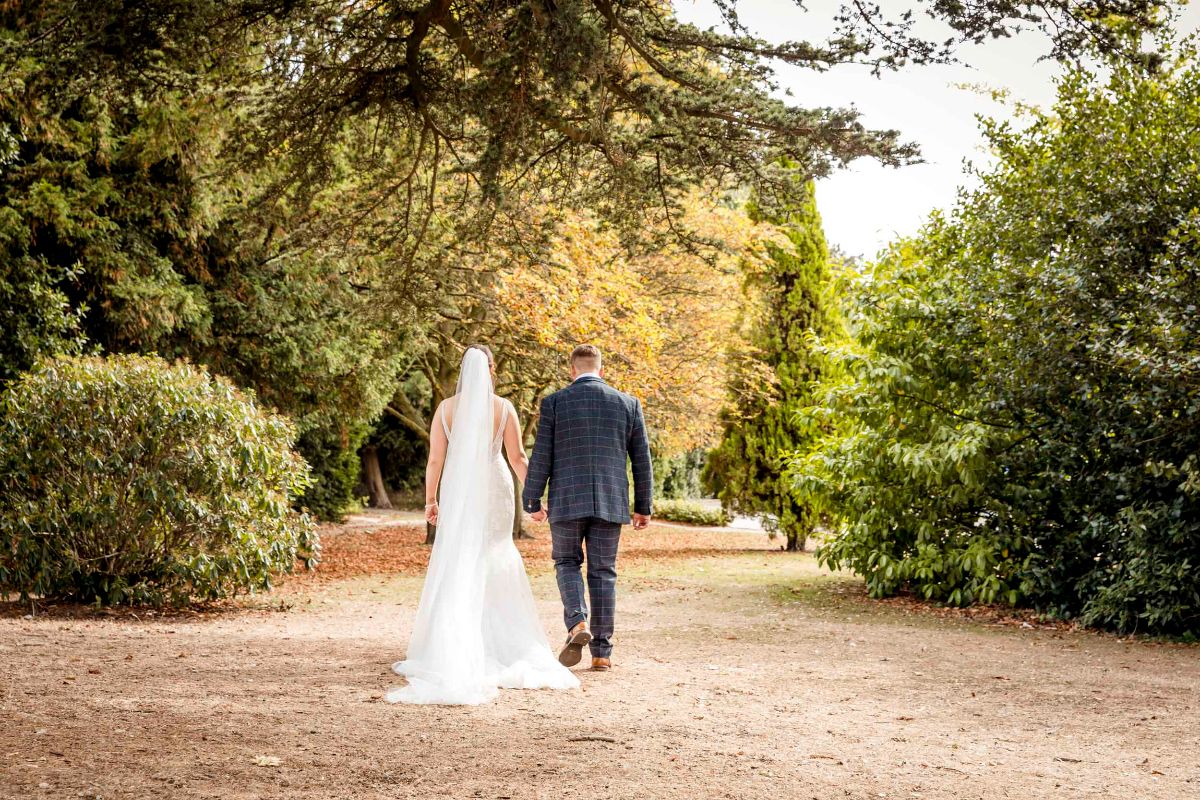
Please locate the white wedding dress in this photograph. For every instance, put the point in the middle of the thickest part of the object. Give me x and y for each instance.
(477, 628)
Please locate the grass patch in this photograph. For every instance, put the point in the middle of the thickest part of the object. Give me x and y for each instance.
(732, 568)
(823, 592)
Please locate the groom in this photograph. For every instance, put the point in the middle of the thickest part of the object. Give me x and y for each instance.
(585, 434)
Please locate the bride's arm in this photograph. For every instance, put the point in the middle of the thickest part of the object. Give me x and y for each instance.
(433, 468)
(514, 447)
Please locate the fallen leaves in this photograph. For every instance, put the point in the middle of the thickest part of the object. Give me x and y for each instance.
(999, 615)
(349, 552)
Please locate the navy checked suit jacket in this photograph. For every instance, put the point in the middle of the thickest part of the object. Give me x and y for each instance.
(585, 434)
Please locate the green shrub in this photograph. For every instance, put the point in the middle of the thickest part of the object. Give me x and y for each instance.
(332, 453)
(1017, 419)
(677, 477)
(691, 512)
(129, 480)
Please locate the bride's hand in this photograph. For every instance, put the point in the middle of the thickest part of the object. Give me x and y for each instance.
(431, 513)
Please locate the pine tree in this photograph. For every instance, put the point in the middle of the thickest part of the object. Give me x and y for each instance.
(773, 375)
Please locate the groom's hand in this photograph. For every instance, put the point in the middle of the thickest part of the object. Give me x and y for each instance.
(538, 516)
(640, 521)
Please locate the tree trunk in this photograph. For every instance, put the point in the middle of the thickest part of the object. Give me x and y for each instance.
(374, 475)
(430, 533)
(796, 542)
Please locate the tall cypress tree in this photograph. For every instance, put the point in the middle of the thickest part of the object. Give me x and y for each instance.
(773, 375)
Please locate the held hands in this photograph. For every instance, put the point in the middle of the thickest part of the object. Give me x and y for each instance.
(640, 521)
(431, 513)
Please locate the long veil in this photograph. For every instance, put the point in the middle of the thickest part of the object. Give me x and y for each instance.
(446, 661)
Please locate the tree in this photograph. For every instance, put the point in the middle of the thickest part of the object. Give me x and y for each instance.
(1016, 417)
(489, 108)
(773, 373)
(179, 171)
(127, 228)
(652, 313)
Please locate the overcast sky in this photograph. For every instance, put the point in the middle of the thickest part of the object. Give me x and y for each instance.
(867, 205)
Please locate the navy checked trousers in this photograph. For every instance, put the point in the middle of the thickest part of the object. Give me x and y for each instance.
(567, 543)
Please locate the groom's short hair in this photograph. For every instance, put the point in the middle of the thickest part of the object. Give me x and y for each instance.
(586, 358)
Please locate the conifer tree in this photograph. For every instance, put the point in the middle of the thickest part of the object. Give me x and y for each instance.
(775, 369)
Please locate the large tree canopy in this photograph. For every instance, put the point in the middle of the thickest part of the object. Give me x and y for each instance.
(125, 227)
(478, 107)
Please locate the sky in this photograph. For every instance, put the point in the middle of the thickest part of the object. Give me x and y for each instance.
(866, 205)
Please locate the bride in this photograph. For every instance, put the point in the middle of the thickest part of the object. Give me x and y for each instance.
(477, 628)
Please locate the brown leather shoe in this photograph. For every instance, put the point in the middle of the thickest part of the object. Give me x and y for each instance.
(577, 639)
(601, 664)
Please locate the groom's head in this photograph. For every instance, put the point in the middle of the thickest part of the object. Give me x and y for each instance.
(585, 358)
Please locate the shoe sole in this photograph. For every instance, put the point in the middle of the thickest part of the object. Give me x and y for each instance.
(572, 652)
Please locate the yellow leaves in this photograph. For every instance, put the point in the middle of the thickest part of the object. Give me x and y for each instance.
(664, 320)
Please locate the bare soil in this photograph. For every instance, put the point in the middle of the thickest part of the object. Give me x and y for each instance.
(741, 672)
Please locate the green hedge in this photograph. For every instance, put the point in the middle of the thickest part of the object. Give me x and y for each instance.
(691, 512)
(129, 480)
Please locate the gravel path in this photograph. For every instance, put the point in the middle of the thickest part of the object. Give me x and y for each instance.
(740, 673)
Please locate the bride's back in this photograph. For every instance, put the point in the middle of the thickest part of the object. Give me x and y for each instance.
(450, 405)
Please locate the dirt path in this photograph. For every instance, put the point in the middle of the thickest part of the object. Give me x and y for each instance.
(740, 673)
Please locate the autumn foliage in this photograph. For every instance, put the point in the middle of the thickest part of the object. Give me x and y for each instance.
(664, 319)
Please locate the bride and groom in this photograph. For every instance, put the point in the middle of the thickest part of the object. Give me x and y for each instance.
(477, 628)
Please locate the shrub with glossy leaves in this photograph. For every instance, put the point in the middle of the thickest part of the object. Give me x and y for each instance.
(1018, 416)
(130, 480)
